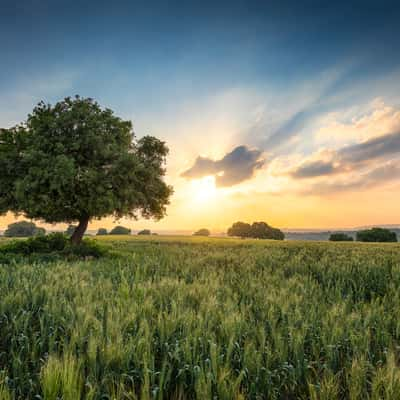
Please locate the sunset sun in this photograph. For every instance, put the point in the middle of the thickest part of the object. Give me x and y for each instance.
(204, 189)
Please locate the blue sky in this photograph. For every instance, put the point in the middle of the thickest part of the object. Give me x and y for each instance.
(209, 77)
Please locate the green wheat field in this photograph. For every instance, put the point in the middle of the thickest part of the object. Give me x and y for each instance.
(193, 318)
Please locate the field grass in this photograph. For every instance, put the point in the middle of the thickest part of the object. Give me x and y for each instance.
(203, 318)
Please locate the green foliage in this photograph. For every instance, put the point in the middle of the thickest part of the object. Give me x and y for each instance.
(86, 249)
(102, 232)
(340, 237)
(75, 161)
(202, 318)
(258, 230)
(145, 232)
(202, 232)
(23, 229)
(40, 244)
(120, 230)
(376, 235)
(240, 229)
(261, 230)
(56, 244)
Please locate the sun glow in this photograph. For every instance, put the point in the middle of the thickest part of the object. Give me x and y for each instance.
(203, 190)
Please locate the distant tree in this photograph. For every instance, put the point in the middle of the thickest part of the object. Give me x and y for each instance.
(340, 237)
(70, 230)
(261, 230)
(202, 232)
(75, 161)
(376, 235)
(120, 230)
(258, 230)
(144, 232)
(102, 232)
(23, 229)
(240, 229)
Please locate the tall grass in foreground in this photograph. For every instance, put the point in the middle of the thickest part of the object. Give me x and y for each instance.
(203, 320)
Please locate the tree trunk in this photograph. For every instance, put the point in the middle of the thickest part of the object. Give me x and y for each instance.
(79, 231)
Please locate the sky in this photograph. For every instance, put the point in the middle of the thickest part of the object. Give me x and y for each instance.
(276, 111)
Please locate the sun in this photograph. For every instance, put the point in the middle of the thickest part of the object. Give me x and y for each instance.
(203, 190)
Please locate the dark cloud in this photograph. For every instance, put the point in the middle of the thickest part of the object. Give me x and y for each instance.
(350, 158)
(235, 167)
(313, 168)
(377, 176)
(371, 149)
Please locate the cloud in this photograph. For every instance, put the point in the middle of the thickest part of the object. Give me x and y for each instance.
(377, 147)
(235, 167)
(311, 169)
(350, 158)
(359, 123)
(383, 174)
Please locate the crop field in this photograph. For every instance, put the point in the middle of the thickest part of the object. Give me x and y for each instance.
(192, 318)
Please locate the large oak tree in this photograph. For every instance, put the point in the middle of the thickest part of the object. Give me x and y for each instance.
(75, 161)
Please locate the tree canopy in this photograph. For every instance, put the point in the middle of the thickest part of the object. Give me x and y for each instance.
(257, 230)
(240, 229)
(202, 232)
(75, 161)
(120, 230)
(23, 229)
(145, 232)
(102, 232)
(376, 235)
(340, 237)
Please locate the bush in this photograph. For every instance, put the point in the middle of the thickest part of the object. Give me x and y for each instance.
(376, 235)
(40, 244)
(23, 229)
(202, 232)
(87, 248)
(340, 237)
(55, 243)
(145, 232)
(120, 230)
(102, 232)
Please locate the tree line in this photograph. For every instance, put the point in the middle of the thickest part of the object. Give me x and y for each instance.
(377, 235)
(28, 229)
(256, 230)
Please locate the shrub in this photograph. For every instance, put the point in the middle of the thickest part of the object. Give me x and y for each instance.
(23, 229)
(202, 232)
(87, 248)
(144, 232)
(55, 243)
(40, 244)
(120, 230)
(376, 235)
(340, 237)
(102, 232)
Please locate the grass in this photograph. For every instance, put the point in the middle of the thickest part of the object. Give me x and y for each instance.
(204, 318)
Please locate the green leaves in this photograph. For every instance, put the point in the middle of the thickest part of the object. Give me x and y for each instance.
(76, 160)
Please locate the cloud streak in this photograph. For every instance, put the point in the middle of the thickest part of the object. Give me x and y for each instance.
(235, 167)
(388, 172)
(350, 158)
